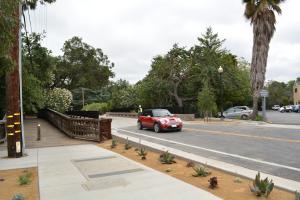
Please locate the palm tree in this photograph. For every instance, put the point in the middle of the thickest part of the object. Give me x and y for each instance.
(262, 16)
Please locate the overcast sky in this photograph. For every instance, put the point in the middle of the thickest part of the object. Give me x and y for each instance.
(132, 32)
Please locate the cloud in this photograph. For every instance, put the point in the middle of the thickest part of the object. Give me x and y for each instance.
(132, 32)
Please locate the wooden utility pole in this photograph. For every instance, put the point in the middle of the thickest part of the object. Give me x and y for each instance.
(13, 98)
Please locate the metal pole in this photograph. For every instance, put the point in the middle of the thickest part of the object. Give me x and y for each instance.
(264, 109)
(21, 79)
(221, 80)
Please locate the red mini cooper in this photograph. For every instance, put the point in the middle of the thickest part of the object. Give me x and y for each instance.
(159, 120)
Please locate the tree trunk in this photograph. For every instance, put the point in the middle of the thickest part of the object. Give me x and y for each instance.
(176, 96)
(263, 30)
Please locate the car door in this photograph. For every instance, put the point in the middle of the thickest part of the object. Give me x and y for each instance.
(148, 119)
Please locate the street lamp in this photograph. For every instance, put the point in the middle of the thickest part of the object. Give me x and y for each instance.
(220, 71)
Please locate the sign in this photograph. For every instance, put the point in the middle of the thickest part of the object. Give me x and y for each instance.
(264, 93)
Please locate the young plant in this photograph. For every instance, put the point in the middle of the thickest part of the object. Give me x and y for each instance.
(143, 153)
(190, 164)
(24, 179)
(201, 170)
(113, 143)
(167, 158)
(18, 197)
(213, 182)
(297, 194)
(127, 145)
(262, 187)
(237, 179)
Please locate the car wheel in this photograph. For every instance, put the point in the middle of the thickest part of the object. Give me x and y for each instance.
(156, 128)
(179, 130)
(139, 125)
(244, 117)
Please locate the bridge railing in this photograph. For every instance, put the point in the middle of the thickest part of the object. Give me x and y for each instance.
(87, 128)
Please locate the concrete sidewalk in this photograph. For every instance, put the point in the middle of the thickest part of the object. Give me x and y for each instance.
(90, 172)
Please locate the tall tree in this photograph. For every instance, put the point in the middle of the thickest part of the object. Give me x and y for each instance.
(82, 66)
(261, 14)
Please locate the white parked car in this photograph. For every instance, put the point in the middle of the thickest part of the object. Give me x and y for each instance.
(276, 107)
(287, 108)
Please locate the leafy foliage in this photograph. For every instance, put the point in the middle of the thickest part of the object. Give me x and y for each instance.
(127, 146)
(262, 187)
(142, 153)
(213, 182)
(82, 66)
(201, 170)
(101, 107)
(206, 102)
(25, 179)
(178, 76)
(113, 143)
(167, 158)
(59, 99)
(38, 66)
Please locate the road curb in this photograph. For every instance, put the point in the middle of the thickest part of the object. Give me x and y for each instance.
(282, 183)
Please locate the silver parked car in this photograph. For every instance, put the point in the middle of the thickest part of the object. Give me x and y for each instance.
(237, 112)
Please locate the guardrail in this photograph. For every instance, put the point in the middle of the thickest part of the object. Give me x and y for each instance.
(87, 129)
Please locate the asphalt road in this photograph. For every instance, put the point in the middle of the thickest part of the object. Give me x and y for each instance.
(283, 118)
(271, 150)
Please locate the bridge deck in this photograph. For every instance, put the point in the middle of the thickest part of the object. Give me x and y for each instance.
(50, 136)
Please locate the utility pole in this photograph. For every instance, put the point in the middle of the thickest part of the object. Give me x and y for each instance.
(14, 113)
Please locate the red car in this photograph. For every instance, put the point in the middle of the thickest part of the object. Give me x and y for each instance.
(159, 120)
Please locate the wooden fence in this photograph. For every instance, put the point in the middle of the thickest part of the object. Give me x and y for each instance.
(87, 128)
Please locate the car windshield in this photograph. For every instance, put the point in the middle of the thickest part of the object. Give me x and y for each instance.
(161, 113)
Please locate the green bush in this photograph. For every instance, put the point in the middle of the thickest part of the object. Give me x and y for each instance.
(262, 187)
(201, 170)
(18, 197)
(101, 107)
(167, 158)
(59, 99)
(24, 179)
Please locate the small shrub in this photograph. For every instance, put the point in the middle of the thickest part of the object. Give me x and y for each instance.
(24, 179)
(18, 197)
(262, 187)
(113, 143)
(127, 145)
(190, 164)
(167, 158)
(237, 179)
(297, 194)
(213, 182)
(143, 153)
(201, 170)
